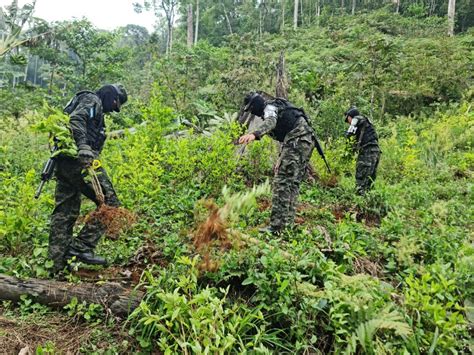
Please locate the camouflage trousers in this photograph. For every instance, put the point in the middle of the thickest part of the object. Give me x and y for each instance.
(366, 168)
(69, 188)
(290, 172)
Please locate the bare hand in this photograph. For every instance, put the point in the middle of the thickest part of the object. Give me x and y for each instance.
(247, 138)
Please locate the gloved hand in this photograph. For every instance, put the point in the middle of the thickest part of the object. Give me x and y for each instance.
(85, 156)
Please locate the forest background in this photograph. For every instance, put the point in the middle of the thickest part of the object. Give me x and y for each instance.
(388, 273)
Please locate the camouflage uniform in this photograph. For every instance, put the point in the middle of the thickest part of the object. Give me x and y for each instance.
(369, 152)
(88, 128)
(298, 141)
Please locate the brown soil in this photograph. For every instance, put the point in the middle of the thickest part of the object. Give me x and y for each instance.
(364, 265)
(299, 220)
(264, 204)
(339, 212)
(130, 274)
(327, 180)
(370, 219)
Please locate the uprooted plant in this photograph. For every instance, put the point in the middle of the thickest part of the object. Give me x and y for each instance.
(214, 229)
(115, 219)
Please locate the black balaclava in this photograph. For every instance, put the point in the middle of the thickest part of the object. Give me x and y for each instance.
(107, 94)
(254, 103)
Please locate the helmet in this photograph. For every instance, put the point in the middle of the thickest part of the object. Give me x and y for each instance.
(352, 112)
(254, 103)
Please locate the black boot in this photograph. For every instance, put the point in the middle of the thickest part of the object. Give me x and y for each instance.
(86, 257)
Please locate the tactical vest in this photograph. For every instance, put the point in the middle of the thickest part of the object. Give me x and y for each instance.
(366, 135)
(95, 123)
(288, 118)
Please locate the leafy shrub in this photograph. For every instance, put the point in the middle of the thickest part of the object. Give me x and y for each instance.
(177, 316)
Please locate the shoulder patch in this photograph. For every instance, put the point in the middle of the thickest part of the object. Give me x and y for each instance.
(353, 127)
(270, 111)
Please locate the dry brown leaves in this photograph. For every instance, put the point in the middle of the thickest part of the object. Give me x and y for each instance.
(115, 219)
(18, 335)
(211, 233)
(363, 265)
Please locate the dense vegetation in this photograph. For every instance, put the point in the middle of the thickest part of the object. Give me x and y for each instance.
(388, 273)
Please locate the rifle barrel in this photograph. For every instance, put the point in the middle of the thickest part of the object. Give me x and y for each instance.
(40, 188)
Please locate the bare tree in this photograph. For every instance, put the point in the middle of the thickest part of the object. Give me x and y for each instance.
(451, 14)
(197, 23)
(190, 25)
(397, 6)
(283, 4)
(169, 7)
(295, 15)
(227, 18)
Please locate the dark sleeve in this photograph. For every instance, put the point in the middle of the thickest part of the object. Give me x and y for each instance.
(78, 120)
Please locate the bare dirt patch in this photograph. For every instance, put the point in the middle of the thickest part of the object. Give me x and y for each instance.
(370, 219)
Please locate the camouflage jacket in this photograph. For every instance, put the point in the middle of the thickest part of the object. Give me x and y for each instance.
(87, 121)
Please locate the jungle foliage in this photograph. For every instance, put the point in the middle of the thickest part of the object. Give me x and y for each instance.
(390, 273)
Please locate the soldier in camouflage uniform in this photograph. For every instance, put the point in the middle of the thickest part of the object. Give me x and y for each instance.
(86, 111)
(367, 146)
(287, 124)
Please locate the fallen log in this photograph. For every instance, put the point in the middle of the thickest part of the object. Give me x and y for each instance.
(115, 298)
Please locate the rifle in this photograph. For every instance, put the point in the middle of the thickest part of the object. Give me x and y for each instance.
(321, 153)
(48, 171)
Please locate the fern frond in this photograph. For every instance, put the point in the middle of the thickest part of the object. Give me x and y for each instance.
(366, 331)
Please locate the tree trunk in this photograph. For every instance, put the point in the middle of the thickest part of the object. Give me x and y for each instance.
(114, 297)
(451, 14)
(432, 7)
(283, 4)
(227, 18)
(26, 68)
(301, 12)
(353, 7)
(35, 75)
(281, 89)
(170, 38)
(190, 26)
(196, 31)
(295, 15)
(50, 89)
